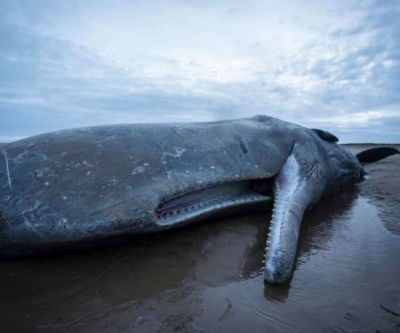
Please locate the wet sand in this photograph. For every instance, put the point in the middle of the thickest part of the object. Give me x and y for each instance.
(209, 277)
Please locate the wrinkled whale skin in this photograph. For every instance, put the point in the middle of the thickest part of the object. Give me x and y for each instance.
(82, 185)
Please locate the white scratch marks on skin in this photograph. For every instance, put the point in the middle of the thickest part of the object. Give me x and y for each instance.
(140, 168)
(63, 223)
(113, 181)
(112, 137)
(178, 153)
(170, 174)
(88, 165)
(26, 220)
(8, 222)
(30, 226)
(8, 169)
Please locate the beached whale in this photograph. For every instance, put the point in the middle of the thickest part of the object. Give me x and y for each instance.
(73, 188)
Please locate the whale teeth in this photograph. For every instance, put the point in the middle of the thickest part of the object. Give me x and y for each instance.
(171, 211)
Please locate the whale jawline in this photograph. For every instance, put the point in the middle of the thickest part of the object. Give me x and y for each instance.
(213, 200)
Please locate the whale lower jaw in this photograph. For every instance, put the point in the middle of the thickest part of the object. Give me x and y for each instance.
(293, 193)
(232, 198)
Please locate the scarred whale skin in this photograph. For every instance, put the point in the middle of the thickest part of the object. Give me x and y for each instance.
(99, 181)
(83, 185)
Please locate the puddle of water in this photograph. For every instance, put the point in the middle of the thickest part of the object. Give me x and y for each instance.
(345, 271)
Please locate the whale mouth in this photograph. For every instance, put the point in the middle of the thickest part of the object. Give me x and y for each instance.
(225, 199)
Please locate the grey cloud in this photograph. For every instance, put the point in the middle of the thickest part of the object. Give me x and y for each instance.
(366, 78)
(49, 83)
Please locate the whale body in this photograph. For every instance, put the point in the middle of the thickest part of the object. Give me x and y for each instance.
(70, 188)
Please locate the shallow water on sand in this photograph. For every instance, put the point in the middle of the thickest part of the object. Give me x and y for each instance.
(209, 277)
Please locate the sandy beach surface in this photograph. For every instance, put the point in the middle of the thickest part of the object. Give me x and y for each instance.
(209, 277)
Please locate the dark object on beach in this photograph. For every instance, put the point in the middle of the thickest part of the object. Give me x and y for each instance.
(376, 154)
(82, 187)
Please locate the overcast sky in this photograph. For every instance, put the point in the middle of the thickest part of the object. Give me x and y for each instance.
(327, 64)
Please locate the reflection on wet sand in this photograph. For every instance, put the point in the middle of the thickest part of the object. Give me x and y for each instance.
(382, 189)
(209, 277)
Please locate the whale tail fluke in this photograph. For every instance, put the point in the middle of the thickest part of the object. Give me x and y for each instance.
(376, 154)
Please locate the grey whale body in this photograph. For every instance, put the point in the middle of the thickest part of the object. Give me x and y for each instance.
(82, 186)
